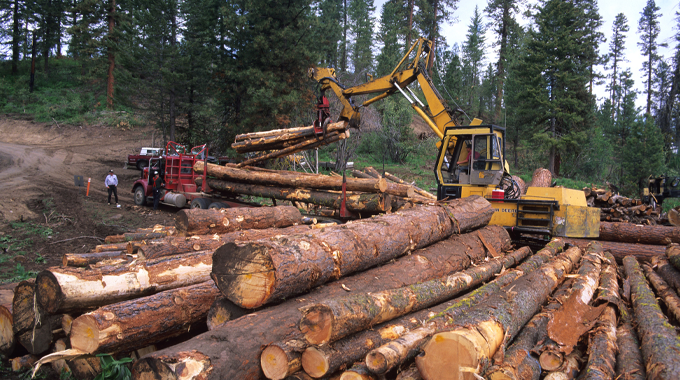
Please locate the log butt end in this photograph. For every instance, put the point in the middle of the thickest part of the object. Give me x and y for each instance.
(550, 360)
(377, 362)
(85, 334)
(317, 324)
(274, 363)
(314, 362)
(48, 292)
(245, 275)
(6, 332)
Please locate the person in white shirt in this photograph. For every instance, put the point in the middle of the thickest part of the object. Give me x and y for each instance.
(111, 183)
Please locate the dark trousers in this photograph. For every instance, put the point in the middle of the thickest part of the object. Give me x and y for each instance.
(156, 198)
(113, 189)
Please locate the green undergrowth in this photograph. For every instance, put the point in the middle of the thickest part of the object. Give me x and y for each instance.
(17, 242)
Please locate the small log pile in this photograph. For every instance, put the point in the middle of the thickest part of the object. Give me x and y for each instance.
(617, 208)
(283, 142)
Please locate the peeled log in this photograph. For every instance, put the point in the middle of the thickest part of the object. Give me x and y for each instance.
(291, 179)
(329, 358)
(636, 233)
(642, 252)
(220, 221)
(471, 340)
(175, 245)
(254, 273)
(61, 290)
(143, 321)
(233, 350)
(658, 337)
(85, 259)
(333, 319)
(365, 202)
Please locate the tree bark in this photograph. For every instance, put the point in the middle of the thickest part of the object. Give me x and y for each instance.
(602, 346)
(642, 252)
(212, 221)
(410, 373)
(472, 340)
(333, 319)
(291, 179)
(635, 233)
(6, 333)
(85, 259)
(113, 240)
(667, 272)
(111, 247)
(669, 297)
(144, 321)
(388, 356)
(268, 140)
(254, 273)
(328, 359)
(541, 178)
(74, 289)
(629, 363)
(305, 145)
(673, 254)
(232, 350)
(658, 338)
(175, 245)
(358, 372)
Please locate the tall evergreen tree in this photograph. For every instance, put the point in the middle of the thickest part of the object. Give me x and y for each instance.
(649, 29)
(616, 57)
(555, 73)
(330, 31)
(473, 59)
(593, 36)
(431, 14)
(392, 33)
(502, 16)
(667, 116)
(361, 27)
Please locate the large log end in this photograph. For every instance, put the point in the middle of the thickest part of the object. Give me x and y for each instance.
(244, 274)
(317, 324)
(48, 292)
(275, 363)
(314, 362)
(85, 334)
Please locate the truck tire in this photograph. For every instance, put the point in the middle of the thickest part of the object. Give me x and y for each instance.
(140, 196)
(218, 205)
(200, 203)
(141, 164)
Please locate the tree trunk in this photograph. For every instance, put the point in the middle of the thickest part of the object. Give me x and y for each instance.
(144, 321)
(74, 289)
(291, 179)
(358, 372)
(417, 190)
(38, 338)
(222, 311)
(254, 273)
(324, 360)
(629, 364)
(280, 360)
(635, 233)
(6, 333)
(388, 356)
(259, 141)
(175, 245)
(541, 178)
(472, 340)
(305, 145)
(212, 221)
(642, 252)
(667, 272)
(569, 370)
(60, 366)
(669, 297)
(16, 36)
(85, 259)
(333, 319)
(111, 56)
(23, 305)
(23, 362)
(658, 337)
(673, 254)
(232, 350)
(111, 247)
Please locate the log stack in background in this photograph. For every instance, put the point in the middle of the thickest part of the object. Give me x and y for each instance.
(617, 208)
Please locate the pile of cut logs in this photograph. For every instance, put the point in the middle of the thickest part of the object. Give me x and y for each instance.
(284, 142)
(368, 195)
(617, 208)
(429, 292)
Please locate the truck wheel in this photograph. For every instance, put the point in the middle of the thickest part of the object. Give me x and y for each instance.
(218, 205)
(140, 197)
(200, 203)
(142, 164)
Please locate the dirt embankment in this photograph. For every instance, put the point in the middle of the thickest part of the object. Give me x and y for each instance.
(38, 163)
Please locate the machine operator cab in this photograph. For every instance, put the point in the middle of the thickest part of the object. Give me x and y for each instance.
(470, 158)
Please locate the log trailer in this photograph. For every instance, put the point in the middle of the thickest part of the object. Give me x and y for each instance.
(176, 169)
(541, 211)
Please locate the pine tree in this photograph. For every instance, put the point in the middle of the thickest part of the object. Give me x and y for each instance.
(330, 31)
(649, 29)
(393, 30)
(642, 155)
(361, 28)
(667, 116)
(592, 36)
(502, 14)
(616, 57)
(430, 15)
(473, 59)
